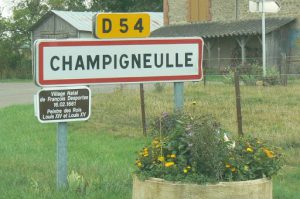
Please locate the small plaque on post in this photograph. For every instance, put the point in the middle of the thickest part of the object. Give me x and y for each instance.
(63, 104)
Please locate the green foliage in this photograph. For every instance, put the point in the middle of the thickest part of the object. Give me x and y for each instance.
(195, 149)
(71, 5)
(252, 158)
(127, 5)
(250, 74)
(15, 39)
(272, 77)
(208, 148)
(159, 87)
(77, 183)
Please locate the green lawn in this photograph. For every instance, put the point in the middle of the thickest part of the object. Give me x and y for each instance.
(104, 148)
(28, 158)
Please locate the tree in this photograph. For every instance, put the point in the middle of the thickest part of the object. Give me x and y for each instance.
(25, 14)
(127, 5)
(70, 5)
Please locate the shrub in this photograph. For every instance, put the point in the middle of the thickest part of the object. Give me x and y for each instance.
(196, 149)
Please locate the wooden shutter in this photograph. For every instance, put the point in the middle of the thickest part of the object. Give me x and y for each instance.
(199, 10)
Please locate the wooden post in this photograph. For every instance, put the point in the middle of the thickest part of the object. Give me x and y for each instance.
(242, 43)
(238, 103)
(219, 58)
(143, 109)
(208, 45)
(204, 76)
(284, 69)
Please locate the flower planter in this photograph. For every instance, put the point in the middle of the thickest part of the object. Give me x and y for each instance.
(155, 188)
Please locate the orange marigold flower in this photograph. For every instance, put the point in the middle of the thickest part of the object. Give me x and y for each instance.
(169, 164)
(269, 154)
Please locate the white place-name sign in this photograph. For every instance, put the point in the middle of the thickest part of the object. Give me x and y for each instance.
(83, 62)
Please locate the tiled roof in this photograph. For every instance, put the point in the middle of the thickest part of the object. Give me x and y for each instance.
(83, 20)
(221, 29)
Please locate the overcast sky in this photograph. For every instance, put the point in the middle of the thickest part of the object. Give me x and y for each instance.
(5, 6)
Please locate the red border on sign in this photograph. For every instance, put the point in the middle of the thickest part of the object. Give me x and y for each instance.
(44, 44)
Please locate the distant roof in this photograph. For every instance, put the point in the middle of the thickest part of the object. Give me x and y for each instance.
(221, 29)
(83, 20)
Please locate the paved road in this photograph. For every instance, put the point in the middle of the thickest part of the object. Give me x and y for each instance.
(16, 93)
(22, 93)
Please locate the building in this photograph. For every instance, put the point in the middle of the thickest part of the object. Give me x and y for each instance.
(232, 34)
(68, 24)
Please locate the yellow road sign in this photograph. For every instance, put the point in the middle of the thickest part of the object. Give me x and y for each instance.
(121, 25)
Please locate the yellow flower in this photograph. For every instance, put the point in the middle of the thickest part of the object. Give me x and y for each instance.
(173, 156)
(138, 163)
(145, 154)
(269, 153)
(249, 149)
(185, 170)
(161, 158)
(155, 142)
(169, 164)
(227, 165)
(233, 169)
(258, 142)
(188, 167)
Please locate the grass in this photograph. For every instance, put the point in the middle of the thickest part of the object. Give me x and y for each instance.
(15, 80)
(103, 149)
(28, 158)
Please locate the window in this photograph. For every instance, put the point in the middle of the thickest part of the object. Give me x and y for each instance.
(199, 10)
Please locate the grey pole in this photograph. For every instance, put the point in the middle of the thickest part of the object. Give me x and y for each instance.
(62, 155)
(264, 38)
(178, 96)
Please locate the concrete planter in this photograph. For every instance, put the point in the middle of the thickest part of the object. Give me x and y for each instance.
(155, 188)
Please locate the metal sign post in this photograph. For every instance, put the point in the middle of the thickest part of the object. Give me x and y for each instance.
(263, 24)
(264, 6)
(61, 105)
(62, 155)
(178, 96)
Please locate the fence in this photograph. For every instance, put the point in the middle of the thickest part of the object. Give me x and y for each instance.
(283, 65)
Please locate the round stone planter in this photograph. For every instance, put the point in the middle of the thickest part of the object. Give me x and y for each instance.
(155, 188)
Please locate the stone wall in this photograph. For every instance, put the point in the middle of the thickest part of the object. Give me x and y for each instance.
(222, 10)
(178, 11)
(225, 10)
